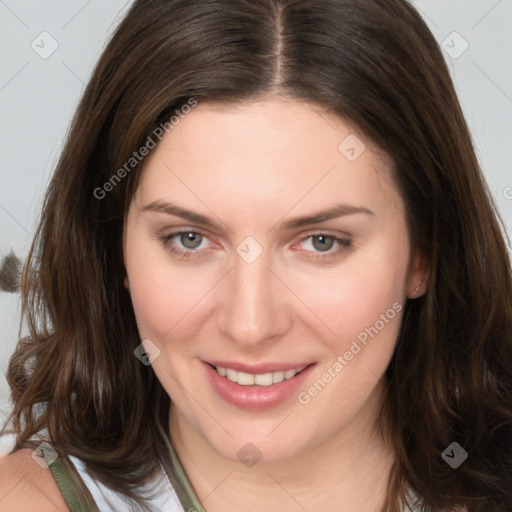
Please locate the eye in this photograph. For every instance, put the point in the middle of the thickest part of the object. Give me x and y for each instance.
(190, 239)
(322, 245)
(322, 242)
(184, 243)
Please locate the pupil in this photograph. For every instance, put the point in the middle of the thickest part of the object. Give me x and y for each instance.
(191, 240)
(325, 242)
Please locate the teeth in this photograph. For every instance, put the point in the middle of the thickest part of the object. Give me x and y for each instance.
(262, 379)
(289, 374)
(245, 379)
(279, 377)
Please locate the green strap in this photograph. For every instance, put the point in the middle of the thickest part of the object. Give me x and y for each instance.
(178, 478)
(79, 499)
(73, 489)
(71, 486)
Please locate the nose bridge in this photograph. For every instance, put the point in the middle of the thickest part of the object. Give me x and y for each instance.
(253, 310)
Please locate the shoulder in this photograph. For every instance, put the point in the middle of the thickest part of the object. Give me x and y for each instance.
(25, 485)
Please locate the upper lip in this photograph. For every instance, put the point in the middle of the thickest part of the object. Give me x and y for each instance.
(258, 369)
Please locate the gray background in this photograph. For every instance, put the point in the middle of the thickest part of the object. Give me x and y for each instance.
(39, 92)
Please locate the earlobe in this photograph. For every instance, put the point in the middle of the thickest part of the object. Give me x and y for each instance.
(418, 279)
(418, 291)
(126, 281)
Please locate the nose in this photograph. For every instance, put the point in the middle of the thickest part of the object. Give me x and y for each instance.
(255, 310)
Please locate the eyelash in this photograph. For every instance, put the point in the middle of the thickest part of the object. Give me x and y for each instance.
(345, 245)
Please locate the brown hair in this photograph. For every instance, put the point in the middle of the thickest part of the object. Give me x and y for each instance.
(375, 64)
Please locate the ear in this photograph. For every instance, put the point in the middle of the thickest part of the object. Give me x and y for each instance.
(126, 280)
(418, 275)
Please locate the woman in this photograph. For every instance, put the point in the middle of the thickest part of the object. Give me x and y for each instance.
(268, 276)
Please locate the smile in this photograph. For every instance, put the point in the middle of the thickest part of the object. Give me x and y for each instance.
(256, 387)
(259, 379)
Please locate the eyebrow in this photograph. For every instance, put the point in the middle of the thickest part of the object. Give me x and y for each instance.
(339, 210)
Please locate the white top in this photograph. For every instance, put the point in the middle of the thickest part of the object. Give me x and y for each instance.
(107, 500)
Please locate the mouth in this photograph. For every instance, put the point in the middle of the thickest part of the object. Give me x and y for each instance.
(264, 387)
(257, 379)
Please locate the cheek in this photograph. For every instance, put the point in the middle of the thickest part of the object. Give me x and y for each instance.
(364, 294)
(363, 305)
(162, 293)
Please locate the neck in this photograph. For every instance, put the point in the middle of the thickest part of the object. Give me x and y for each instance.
(349, 471)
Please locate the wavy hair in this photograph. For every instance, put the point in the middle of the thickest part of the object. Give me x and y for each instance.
(375, 64)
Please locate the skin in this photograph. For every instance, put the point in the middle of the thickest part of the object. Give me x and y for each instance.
(26, 485)
(252, 167)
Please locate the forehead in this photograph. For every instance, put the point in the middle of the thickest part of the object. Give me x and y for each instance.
(273, 153)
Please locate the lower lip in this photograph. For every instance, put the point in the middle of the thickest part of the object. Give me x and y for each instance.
(256, 397)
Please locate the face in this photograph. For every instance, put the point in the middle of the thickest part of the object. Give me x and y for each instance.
(262, 241)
